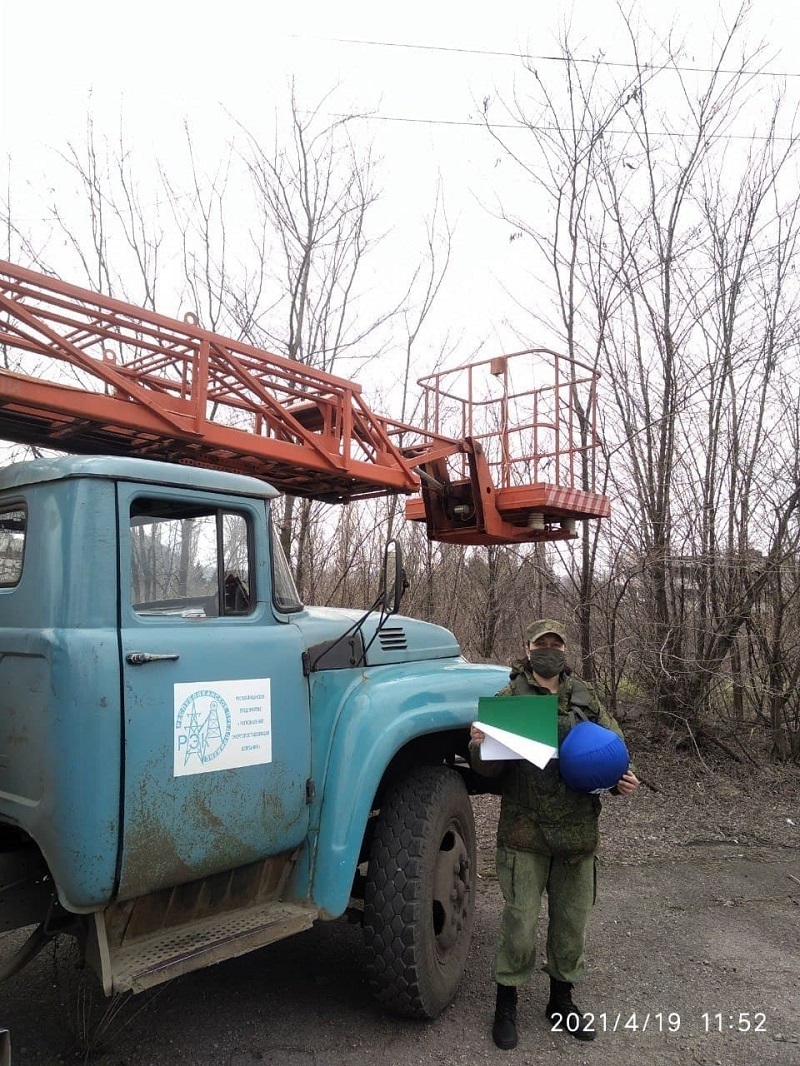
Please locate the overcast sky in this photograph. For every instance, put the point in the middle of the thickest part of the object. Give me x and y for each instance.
(158, 63)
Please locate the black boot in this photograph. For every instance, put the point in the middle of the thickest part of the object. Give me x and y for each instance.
(562, 1013)
(504, 1030)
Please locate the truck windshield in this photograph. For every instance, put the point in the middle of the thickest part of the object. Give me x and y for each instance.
(284, 590)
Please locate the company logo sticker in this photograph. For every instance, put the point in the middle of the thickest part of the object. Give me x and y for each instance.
(221, 725)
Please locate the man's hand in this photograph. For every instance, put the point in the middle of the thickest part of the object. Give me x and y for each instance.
(476, 737)
(628, 783)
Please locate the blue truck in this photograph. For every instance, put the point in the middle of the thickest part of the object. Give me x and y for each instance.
(194, 763)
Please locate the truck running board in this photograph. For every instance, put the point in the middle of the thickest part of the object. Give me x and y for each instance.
(167, 953)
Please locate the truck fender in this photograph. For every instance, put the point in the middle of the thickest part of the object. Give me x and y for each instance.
(375, 719)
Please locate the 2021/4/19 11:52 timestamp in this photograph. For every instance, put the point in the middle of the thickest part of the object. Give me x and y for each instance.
(743, 1021)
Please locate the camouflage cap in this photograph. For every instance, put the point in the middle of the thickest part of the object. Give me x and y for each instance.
(545, 625)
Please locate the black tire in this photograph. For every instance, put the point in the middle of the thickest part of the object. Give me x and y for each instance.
(419, 895)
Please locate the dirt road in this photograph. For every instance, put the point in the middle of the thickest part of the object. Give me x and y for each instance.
(690, 962)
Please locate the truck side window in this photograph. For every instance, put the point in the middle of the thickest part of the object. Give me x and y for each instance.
(13, 524)
(189, 561)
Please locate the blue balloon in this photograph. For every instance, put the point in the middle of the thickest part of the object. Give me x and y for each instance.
(592, 758)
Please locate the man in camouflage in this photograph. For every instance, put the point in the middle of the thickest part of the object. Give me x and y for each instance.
(546, 842)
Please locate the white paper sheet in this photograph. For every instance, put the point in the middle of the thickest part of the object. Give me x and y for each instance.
(500, 744)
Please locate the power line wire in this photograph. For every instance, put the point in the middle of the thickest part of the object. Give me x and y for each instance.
(554, 58)
(533, 127)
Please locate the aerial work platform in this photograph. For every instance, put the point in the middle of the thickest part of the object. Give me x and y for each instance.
(505, 452)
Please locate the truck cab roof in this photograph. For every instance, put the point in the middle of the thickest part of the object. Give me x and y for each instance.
(122, 468)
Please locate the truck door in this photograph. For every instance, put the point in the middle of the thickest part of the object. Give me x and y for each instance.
(217, 744)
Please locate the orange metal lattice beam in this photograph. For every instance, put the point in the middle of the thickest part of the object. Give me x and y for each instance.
(494, 463)
(117, 378)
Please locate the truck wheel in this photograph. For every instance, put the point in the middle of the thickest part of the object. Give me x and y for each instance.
(419, 895)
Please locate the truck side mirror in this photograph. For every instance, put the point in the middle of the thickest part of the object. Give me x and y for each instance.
(394, 577)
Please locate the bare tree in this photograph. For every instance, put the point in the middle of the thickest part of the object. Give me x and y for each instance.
(680, 286)
(313, 194)
(122, 255)
(200, 217)
(563, 155)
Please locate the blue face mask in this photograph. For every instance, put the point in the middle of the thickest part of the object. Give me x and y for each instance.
(547, 662)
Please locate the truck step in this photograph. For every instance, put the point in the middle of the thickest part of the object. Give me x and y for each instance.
(167, 953)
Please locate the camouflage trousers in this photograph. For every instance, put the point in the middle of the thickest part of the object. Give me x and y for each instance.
(570, 886)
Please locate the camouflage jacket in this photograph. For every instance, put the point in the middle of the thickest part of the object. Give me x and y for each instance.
(538, 812)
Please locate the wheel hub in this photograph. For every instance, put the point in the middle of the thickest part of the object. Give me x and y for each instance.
(451, 890)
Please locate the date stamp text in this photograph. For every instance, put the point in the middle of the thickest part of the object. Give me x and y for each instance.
(742, 1021)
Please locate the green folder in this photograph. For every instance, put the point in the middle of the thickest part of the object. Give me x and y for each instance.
(533, 717)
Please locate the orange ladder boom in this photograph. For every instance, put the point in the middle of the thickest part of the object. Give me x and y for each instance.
(97, 375)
